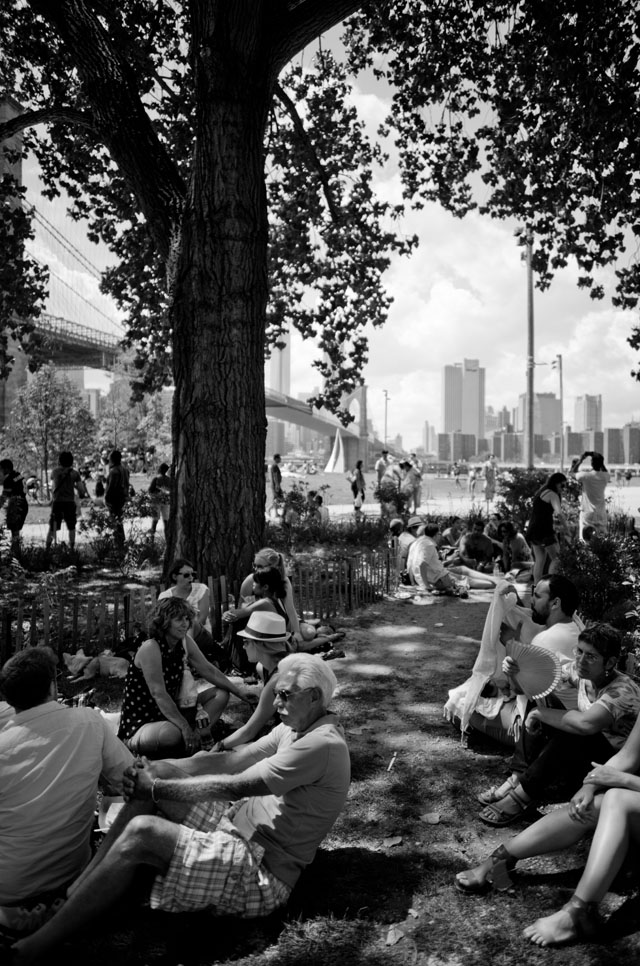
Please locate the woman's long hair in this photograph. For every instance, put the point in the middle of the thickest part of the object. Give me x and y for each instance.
(554, 482)
(271, 579)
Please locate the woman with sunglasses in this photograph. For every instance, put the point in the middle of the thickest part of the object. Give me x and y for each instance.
(186, 587)
(608, 705)
(268, 594)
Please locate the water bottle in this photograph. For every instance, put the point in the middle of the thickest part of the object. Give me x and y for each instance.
(202, 719)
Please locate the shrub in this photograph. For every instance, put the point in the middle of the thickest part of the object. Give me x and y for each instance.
(516, 489)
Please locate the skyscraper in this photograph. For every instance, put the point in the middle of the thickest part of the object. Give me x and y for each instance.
(463, 398)
(547, 417)
(588, 414)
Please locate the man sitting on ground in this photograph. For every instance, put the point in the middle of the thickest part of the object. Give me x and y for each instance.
(51, 760)
(426, 570)
(475, 549)
(288, 789)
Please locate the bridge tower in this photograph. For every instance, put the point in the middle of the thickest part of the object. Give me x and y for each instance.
(357, 449)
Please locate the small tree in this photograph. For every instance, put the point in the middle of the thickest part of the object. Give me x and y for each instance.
(49, 416)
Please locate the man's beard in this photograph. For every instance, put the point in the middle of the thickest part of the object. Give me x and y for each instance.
(538, 618)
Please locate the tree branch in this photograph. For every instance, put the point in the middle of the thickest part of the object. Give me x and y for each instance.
(310, 151)
(119, 117)
(48, 115)
(307, 20)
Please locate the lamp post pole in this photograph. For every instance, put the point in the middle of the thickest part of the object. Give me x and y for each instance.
(386, 403)
(559, 366)
(530, 354)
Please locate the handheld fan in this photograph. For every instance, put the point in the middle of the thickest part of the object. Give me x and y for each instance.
(539, 669)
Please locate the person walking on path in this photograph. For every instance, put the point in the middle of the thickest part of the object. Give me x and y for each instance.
(160, 490)
(116, 493)
(593, 508)
(66, 483)
(358, 485)
(14, 496)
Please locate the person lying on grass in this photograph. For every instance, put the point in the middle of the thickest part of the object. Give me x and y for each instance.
(608, 705)
(609, 802)
(287, 791)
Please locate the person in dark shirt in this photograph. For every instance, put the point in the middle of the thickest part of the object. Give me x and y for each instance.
(13, 494)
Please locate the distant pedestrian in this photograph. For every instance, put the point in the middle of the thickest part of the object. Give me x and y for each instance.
(275, 478)
(593, 508)
(67, 482)
(381, 465)
(471, 483)
(489, 473)
(456, 473)
(117, 492)
(418, 467)
(160, 490)
(358, 484)
(13, 494)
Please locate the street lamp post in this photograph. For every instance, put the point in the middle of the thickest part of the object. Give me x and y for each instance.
(558, 366)
(528, 238)
(386, 403)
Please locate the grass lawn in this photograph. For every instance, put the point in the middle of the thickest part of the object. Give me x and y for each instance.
(381, 888)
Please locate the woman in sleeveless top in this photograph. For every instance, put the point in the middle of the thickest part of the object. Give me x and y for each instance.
(540, 532)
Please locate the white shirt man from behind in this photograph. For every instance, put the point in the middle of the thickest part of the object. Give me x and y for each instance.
(51, 760)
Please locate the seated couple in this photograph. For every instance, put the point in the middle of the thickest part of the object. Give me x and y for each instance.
(286, 791)
(609, 802)
(593, 702)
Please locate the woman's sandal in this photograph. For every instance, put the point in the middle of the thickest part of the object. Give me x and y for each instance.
(498, 816)
(585, 921)
(491, 795)
(502, 863)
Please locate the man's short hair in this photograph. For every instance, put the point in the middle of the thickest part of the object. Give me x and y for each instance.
(563, 588)
(385, 452)
(26, 678)
(430, 529)
(65, 458)
(276, 457)
(6, 466)
(310, 672)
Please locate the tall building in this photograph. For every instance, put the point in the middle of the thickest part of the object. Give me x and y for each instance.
(463, 398)
(588, 414)
(631, 443)
(613, 449)
(278, 377)
(429, 438)
(547, 414)
(452, 399)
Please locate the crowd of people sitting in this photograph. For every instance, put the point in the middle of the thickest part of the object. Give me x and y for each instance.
(227, 821)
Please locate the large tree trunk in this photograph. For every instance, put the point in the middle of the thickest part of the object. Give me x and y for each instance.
(219, 301)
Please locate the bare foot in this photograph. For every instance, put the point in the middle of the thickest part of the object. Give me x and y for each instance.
(552, 930)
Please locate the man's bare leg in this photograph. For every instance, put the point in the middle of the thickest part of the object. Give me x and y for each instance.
(146, 840)
(619, 822)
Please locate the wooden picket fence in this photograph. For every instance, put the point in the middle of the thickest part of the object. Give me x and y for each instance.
(323, 588)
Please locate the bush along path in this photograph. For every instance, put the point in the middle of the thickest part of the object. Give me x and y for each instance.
(381, 890)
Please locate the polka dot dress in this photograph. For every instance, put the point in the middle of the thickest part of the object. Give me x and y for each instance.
(138, 705)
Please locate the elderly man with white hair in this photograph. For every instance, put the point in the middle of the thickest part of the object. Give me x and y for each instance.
(287, 789)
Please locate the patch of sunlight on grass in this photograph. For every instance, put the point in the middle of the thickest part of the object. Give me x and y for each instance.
(372, 670)
(398, 629)
(407, 647)
(420, 709)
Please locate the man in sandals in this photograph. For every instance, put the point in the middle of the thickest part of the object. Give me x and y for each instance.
(287, 790)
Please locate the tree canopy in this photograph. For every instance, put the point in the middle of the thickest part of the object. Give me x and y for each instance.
(233, 180)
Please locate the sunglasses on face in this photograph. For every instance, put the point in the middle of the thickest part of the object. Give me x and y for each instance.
(284, 695)
(190, 574)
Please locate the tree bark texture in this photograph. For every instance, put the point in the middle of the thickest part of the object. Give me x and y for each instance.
(219, 301)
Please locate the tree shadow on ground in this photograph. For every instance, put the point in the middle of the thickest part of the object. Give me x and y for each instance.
(347, 883)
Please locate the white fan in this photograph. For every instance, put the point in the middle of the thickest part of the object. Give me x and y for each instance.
(539, 669)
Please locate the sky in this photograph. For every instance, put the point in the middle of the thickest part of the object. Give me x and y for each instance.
(461, 294)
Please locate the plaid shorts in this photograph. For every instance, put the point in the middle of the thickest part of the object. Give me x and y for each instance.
(214, 868)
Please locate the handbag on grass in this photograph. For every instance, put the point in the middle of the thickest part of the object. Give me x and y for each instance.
(188, 692)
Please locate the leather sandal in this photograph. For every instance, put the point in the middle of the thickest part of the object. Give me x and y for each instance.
(584, 916)
(498, 878)
(491, 795)
(497, 815)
